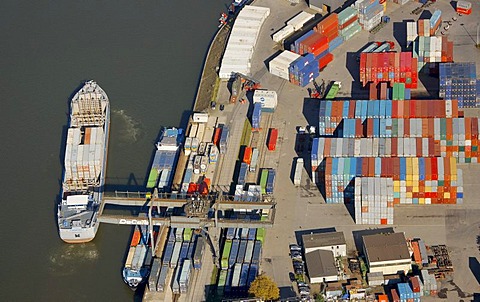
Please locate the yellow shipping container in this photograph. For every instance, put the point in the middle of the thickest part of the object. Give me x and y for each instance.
(421, 200)
(453, 168)
(384, 6)
(446, 195)
(428, 189)
(409, 195)
(415, 189)
(409, 183)
(409, 166)
(415, 166)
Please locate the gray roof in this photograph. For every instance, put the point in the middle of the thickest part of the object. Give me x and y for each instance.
(386, 247)
(320, 263)
(323, 239)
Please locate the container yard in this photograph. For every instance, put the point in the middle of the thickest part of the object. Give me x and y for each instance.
(396, 146)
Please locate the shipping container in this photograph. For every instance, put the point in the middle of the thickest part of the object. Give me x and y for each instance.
(272, 139)
(283, 33)
(226, 254)
(175, 285)
(197, 256)
(175, 254)
(241, 251)
(154, 273)
(168, 252)
(252, 273)
(270, 182)
(223, 140)
(162, 278)
(263, 180)
(233, 253)
(243, 276)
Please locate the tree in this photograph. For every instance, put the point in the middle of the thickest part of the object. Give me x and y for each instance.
(265, 288)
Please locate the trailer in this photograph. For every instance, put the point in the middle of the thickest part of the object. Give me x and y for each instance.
(184, 278)
(252, 233)
(198, 253)
(249, 251)
(227, 247)
(253, 162)
(233, 253)
(263, 180)
(257, 252)
(241, 251)
(332, 92)
(176, 254)
(162, 278)
(230, 233)
(168, 252)
(175, 285)
(154, 272)
(297, 177)
(270, 182)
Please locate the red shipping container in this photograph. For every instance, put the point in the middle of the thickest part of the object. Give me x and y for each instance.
(348, 22)
(216, 136)
(373, 95)
(247, 155)
(327, 22)
(272, 139)
(323, 62)
(320, 49)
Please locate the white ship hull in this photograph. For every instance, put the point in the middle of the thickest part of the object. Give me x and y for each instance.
(80, 235)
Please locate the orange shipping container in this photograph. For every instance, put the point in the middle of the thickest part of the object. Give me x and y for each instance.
(247, 155)
(135, 238)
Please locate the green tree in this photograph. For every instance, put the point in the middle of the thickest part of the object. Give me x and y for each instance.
(265, 288)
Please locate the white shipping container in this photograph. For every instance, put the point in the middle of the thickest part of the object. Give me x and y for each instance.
(300, 19)
(268, 98)
(283, 33)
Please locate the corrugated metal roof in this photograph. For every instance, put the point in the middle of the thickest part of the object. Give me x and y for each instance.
(386, 247)
(320, 263)
(323, 239)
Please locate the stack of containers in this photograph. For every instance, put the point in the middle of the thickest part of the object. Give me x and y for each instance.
(405, 292)
(392, 67)
(417, 287)
(242, 41)
(327, 28)
(240, 261)
(279, 66)
(303, 70)
(331, 112)
(458, 82)
(412, 32)
(384, 3)
(432, 50)
(429, 283)
(348, 23)
(423, 27)
(373, 200)
(370, 13)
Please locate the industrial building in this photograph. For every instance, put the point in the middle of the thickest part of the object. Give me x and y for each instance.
(387, 253)
(325, 6)
(321, 266)
(332, 241)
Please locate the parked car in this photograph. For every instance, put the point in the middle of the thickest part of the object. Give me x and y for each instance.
(294, 247)
(296, 255)
(222, 107)
(291, 276)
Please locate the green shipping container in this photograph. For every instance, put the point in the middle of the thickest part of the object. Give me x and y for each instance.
(225, 254)
(152, 178)
(261, 235)
(187, 234)
(222, 278)
(263, 180)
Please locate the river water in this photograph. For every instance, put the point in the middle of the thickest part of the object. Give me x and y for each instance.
(147, 55)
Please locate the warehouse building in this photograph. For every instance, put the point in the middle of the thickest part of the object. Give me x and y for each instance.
(321, 266)
(332, 241)
(387, 253)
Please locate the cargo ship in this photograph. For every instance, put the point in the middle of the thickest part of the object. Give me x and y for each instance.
(139, 257)
(165, 159)
(84, 164)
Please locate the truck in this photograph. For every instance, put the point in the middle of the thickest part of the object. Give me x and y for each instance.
(332, 92)
(297, 177)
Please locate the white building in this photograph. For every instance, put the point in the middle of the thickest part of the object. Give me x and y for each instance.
(333, 241)
(387, 253)
(321, 266)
